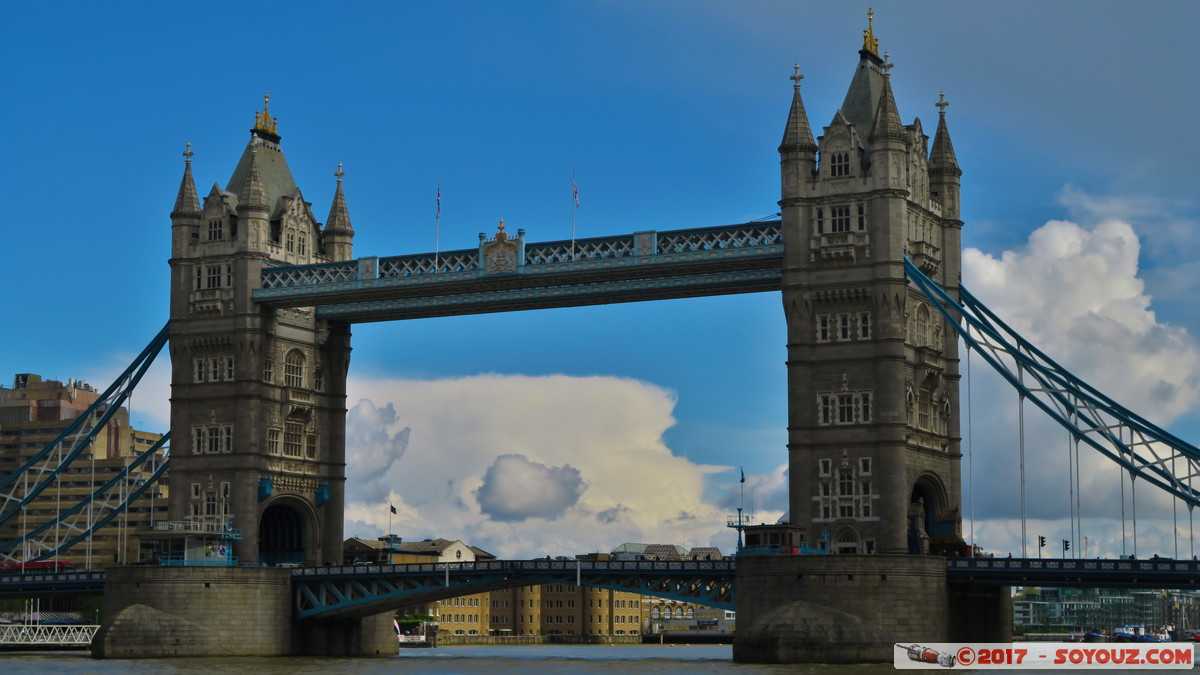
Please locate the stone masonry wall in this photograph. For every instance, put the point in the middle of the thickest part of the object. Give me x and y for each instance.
(837, 608)
(154, 612)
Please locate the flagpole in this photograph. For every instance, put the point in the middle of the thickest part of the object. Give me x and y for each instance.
(437, 226)
(574, 205)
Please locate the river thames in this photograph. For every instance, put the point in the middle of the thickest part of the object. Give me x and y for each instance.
(472, 660)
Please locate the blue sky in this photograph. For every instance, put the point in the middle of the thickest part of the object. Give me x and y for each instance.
(670, 113)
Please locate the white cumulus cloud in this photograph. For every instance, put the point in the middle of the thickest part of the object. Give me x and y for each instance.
(526, 466)
(1076, 293)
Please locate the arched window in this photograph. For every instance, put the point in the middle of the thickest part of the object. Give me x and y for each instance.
(691, 613)
(922, 338)
(293, 369)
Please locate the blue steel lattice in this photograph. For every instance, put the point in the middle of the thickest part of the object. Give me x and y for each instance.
(21, 487)
(1093, 418)
(362, 590)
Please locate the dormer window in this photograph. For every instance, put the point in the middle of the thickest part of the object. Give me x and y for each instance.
(215, 231)
(839, 164)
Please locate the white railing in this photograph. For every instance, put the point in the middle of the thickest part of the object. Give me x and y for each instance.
(35, 634)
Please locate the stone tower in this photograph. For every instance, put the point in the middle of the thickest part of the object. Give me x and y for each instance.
(258, 400)
(873, 426)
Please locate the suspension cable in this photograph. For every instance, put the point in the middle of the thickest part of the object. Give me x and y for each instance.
(1021, 427)
(971, 450)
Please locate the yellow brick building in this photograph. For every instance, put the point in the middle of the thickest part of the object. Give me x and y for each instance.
(33, 412)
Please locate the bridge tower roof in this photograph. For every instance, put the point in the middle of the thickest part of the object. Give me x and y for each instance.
(273, 171)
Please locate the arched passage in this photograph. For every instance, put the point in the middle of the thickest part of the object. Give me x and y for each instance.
(928, 515)
(282, 536)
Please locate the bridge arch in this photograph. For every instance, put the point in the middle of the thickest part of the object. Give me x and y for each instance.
(285, 531)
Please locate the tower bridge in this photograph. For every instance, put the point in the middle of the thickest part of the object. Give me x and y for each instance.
(866, 259)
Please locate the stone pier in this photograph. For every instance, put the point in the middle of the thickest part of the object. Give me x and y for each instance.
(855, 608)
(160, 612)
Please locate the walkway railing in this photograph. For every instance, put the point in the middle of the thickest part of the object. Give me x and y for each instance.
(50, 635)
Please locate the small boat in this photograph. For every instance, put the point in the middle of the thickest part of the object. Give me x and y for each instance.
(1093, 636)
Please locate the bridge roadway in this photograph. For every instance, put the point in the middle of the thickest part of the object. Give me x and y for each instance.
(358, 590)
(649, 265)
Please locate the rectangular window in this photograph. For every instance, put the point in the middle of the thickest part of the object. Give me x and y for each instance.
(214, 276)
(215, 231)
(864, 407)
(843, 326)
(269, 371)
(273, 441)
(195, 490)
(845, 408)
(845, 483)
(823, 328)
(839, 164)
(825, 466)
(310, 446)
(199, 370)
(198, 279)
(825, 409)
(862, 217)
(229, 275)
(820, 218)
(197, 440)
(864, 466)
(292, 439)
(839, 219)
(228, 368)
(214, 441)
(214, 369)
(845, 509)
(318, 379)
(864, 325)
(923, 410)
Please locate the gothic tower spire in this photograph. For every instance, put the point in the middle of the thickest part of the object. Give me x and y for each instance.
(187, 203)
(339, 235)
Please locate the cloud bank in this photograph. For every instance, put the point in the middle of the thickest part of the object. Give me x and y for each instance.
(524, 466)
(1074, 291)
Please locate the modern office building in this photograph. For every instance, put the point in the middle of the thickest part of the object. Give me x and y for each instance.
(33, 413)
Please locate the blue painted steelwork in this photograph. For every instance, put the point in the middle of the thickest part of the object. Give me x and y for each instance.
(1154, 573)
(15, 585)
(647, 265)
(1140, 447)
(362, 590)
(65, 517)
(78, 433)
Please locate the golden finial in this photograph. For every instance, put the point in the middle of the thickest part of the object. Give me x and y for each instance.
(263, 120)
(501, 235)
(870, 42)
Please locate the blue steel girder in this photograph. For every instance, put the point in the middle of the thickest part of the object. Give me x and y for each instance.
(642, 266)
(363, 590)
(1091, 417)
(93, 512)
(16, 492)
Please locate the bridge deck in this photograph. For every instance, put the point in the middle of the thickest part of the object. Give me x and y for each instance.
(640, 266)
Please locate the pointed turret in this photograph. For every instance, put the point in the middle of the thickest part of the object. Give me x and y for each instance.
(339, 235)
(865, 88)
(185, 217)
(273, 173)
(886, 124)
(797, 135)
(798, 151)
(187, 203)
(253, 196)
(944, 172)
(941, 158)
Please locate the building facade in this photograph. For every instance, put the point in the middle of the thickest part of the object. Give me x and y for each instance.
(872, 372)
(257, 394)
(33, 413)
